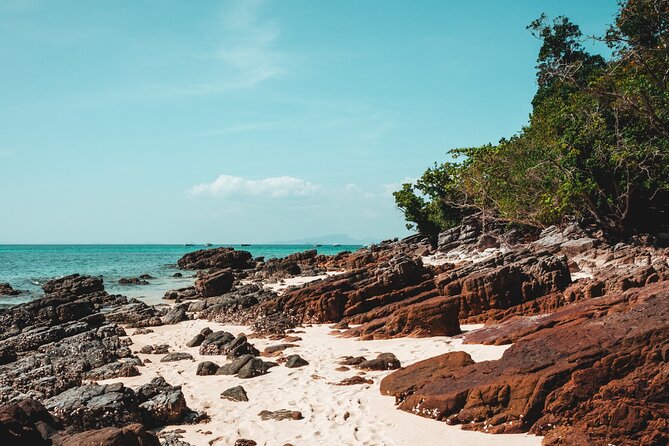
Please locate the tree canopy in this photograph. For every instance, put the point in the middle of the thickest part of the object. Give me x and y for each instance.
(596, 146)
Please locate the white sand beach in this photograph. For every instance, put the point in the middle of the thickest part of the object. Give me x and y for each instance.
(333, 415)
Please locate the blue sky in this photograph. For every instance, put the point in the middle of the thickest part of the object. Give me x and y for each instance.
(248, 121)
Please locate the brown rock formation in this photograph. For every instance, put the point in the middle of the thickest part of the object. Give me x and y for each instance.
(133, 434)
(395, 298)
(217, 258)
(214, 284)
(594, 370)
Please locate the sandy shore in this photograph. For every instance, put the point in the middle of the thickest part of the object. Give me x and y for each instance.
(372, 418)
(280, 287)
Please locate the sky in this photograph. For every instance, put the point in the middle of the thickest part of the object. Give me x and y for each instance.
(163, 121)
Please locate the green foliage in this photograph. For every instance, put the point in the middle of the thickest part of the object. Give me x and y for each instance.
(596, 146)
(431, 205)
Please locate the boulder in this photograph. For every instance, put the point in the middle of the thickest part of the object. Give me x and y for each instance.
(157, 349)
(74, 285)
(196, 341)
(294, 361)
(175, 315)
(236, 393)
(25, 422)
(176, 356)
(132, 281)
(254, 367)
(216, 258)
(215, 284)
(131, 435)
(232, 368)
(206, 368)
(384, 361)
(161, 404)
(7, 290)
(95, 406)
(181, 294)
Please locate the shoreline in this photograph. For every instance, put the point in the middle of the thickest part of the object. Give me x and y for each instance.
(398, 311)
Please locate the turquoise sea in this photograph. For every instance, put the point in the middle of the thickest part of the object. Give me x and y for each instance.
(26, 267)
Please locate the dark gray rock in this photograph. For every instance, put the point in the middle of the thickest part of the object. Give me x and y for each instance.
(158, 349)
(176, 356)
(294, 361)
(384, 361)
(175, 315)
(7, 290)
(206, 368)
(236, 393)
(232, 368)
(254, 367)
(196, 341)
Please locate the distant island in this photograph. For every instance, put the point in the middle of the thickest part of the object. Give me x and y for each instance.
(331, 239)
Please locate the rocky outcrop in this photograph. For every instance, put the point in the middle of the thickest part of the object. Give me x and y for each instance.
(131, 435)
(303, 263)
(382, 299)
(219, 258)
(94, 406)
(7, 290)
(135, 313)
(50, 344)
(593, 371)
(513, 280)
(214, 284)
(245, 366)
(132, 281)
(181, 294)
(175, 315)
(26, 422)
(224, 343)
(233, 306)
(75, 285)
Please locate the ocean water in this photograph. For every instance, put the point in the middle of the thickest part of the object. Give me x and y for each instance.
(27, 267)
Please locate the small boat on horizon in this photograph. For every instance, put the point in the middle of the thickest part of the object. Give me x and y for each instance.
(336, 244)
(188, 244)
(207, 244)
(245, 244)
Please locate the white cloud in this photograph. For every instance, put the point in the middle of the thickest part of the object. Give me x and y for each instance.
(271, 187)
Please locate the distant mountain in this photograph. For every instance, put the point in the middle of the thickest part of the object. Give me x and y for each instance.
(342, 239)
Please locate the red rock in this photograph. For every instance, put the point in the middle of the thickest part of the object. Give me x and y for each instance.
(131, 435)
(596, 369)
(393, 299)
(354, 380)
